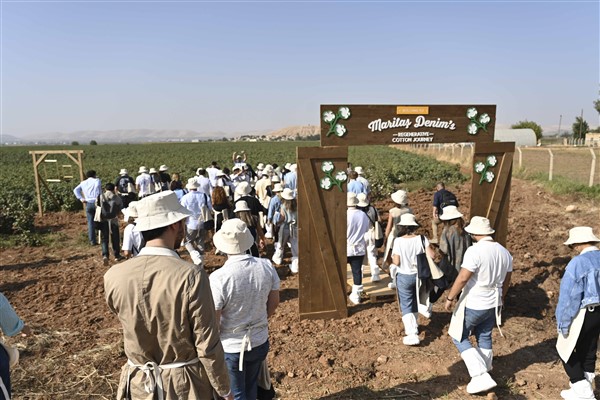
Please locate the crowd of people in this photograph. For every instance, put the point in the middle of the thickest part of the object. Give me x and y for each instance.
(191, 335)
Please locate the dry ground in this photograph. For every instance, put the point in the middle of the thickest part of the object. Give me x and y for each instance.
(77, 352)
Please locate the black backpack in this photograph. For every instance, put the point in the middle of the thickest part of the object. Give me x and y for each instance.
(448, 199)
(123, 184)
(109, 208)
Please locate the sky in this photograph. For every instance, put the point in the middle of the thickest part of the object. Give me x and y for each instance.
(244, 66)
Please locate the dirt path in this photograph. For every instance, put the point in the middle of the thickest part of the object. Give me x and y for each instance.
(77, 351)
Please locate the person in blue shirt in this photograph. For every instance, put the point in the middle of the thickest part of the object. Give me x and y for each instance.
(578, 313)
(355, 186)
(87, 192)
(10, 324)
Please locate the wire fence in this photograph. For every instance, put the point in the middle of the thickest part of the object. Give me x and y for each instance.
(578, 164)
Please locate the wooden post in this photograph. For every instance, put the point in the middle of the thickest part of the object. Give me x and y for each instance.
(520, 157)
(593, 169)
(37, 184)
(551, 169)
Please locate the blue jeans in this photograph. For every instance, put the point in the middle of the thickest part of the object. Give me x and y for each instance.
(244, 383)
(479, 323)
(90, 211)
(406, 286)
(356, 265)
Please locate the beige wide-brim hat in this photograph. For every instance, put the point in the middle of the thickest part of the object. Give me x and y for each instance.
(581, 234)
(408, 219)
(287, 194)
(293, 167)
(287, 166)
(400, 197)
(241, 206)
(275, 178)
(260, 166)
(159, 210)
(362, 200)
(192, 184)
(352, 200)
(130, 211)
(277, 187)
(478, 226)
(123, 171)
(153, 171)
(243, 188)
(450, 212)
(359, 170)
(234, 237)
(143, 170)
(268, 169)
(163, 168)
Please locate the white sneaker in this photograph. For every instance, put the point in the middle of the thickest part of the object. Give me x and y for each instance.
(481, 383)
(411, 340)
(354, 298)
(581, 390)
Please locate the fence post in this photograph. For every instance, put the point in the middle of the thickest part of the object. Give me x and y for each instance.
(520, 158)
(551, 169)
(593, 170)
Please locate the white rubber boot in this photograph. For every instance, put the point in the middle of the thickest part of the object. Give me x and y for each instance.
(481, 381)
(393, 271)
(278, 256)
(581, 390)
(425, 310)
(375, 273)
(488, 357)
(294, 265)
(355, 295)
(411, 329)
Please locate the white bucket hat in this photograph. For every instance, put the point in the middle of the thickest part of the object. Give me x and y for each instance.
(241, 206)
(450, 212)
(288, 194)
(479, 226)
(243, 188)
(362, 200)
(123, 171)
(400, 197)
(234, 237)
(130, 212)
(275, 178)
(260, 166)
(159, 210)
(359, 170)
(287, 166)
(268, 168)
(163, 168)
(277, 188)
(352, 200)
(581, 234)
(192, 184)
(408, 219)
(153, 171)
(143, 170)
(293, 167)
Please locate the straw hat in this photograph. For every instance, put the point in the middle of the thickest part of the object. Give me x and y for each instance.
(241, 206)
(163, 168)
(352, 200)
(159, 210)
(450, 212)
(277, 188)
(123, 171)
(192, 184)
(581, 234)
(143, 170)
(234, 237)
(362, 200)
(153, 171)
(287, 194)
(408, 219)
(243, 188)
(400, 197)
(479, 226)
(359, 170)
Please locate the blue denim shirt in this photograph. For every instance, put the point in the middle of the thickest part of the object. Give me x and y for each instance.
(579, 288)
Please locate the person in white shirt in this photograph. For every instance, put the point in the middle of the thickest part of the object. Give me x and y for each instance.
(87, 192)
(483, 279)
(356, 247)
(143, 183)
(212, 173)
(195, 233)
(133, 241)
(204, 184)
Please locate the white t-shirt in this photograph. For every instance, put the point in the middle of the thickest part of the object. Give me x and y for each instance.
(240, 290)
(144, 181)
(490, 262)
(407, 249)
(132, 238)
(357, 226)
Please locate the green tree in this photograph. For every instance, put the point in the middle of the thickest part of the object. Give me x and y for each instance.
(93, 143)
(529, 125)
(580, 128)
(597, 106)
(74, 143)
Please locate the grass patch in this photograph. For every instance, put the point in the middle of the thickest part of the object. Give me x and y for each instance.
(559, 184)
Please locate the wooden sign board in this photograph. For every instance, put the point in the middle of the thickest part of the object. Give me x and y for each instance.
(354, 125)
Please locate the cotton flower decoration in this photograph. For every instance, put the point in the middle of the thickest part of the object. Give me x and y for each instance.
(479, 167)
(492, 161)
(326, 183)
(340, 130)
(327, 166)
(344, 112)
(328, 116)
(489, 176)
(471, 112)
(472, 128)
(341, 176)
(484, 119)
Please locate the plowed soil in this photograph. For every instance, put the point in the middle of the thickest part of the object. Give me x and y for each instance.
(76, 351)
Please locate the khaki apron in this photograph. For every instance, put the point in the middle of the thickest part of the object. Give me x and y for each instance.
(566, 344)
(458, 315)
(153, 372)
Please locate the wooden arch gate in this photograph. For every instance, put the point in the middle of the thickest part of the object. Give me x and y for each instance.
(322, 177)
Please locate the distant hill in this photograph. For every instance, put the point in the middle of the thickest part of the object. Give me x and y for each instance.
(293, 131)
